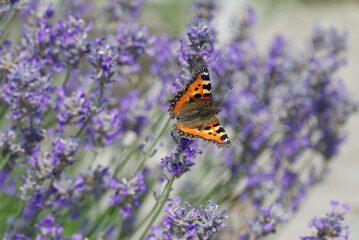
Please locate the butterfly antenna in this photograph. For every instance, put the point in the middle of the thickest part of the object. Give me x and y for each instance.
(232, 121)
(225, 97)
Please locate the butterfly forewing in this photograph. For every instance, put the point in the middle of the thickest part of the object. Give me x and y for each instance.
(198, 91)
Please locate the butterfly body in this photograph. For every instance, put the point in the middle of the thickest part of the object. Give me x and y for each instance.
(192, 108)
(198, 114)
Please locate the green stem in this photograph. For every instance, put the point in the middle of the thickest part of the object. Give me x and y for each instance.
(7, 23)
(4, 161)
(89, 117)
(139, 166)
(124, 161)
(6, 184)
(102, 222)
(101, 93)
(158, 210)
(3, 111)
(66, 77)
(154, 127)
(18, 218)
(48, 193)
(83, 126)
(154, 207)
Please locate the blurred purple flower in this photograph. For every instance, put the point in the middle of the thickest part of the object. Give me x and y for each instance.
(264, 224)
(127, 195)
(126, 11)
(49, 229)
(331, 226)
(132, 41)
(205, 9)
(74, 109)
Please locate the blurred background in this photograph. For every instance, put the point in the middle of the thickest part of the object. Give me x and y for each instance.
(295, 21)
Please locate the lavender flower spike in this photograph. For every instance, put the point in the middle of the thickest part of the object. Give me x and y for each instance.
(330, 226)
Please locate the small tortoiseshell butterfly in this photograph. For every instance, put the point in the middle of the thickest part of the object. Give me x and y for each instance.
(192, 108)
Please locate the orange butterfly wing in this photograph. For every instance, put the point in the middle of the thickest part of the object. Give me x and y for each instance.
(209, 131)
(198, 90)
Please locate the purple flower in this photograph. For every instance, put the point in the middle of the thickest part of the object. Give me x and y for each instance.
(166, 67)
(49, 229)
(331, 225)
(80, 8)
(264, 224)
(27, 91)
(132, 42)
(246, 21)
(200, 45)
(205, 9)
(73, 109)
(4, 177)
(7, 5)
(11, 149)
(106, 128)
(103, 58)
(180, 162)
(330, 39)
(259, 185)
(72, 34)
(157, 234)
(59, 45)
(126, 11)
(180, 222)
(67, 192)
(211, 221)
(127, 195)
(185, 223)
(95, 181)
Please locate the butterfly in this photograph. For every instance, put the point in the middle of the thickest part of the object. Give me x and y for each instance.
(192, 108)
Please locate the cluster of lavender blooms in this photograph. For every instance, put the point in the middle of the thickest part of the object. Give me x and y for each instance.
(85, 139)
(331, 226)
(185, 223)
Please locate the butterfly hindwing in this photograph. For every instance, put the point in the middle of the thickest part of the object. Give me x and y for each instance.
(198, 91)
(209, 131)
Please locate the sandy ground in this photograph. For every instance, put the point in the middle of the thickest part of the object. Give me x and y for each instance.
(295, 21)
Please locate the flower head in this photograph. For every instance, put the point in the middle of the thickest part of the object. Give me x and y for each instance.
(200, 45)
(331, 225)
(127, 195)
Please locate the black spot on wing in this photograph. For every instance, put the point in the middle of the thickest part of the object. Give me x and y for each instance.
(207, 128)
(220, 130)
(224, 137)
(198, 95)
(207, 86)
(216, 125)
(205, 77)
(207, 95)
(196, 89)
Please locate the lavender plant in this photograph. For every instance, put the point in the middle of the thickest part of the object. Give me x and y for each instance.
(331, 226)
(86, 146)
